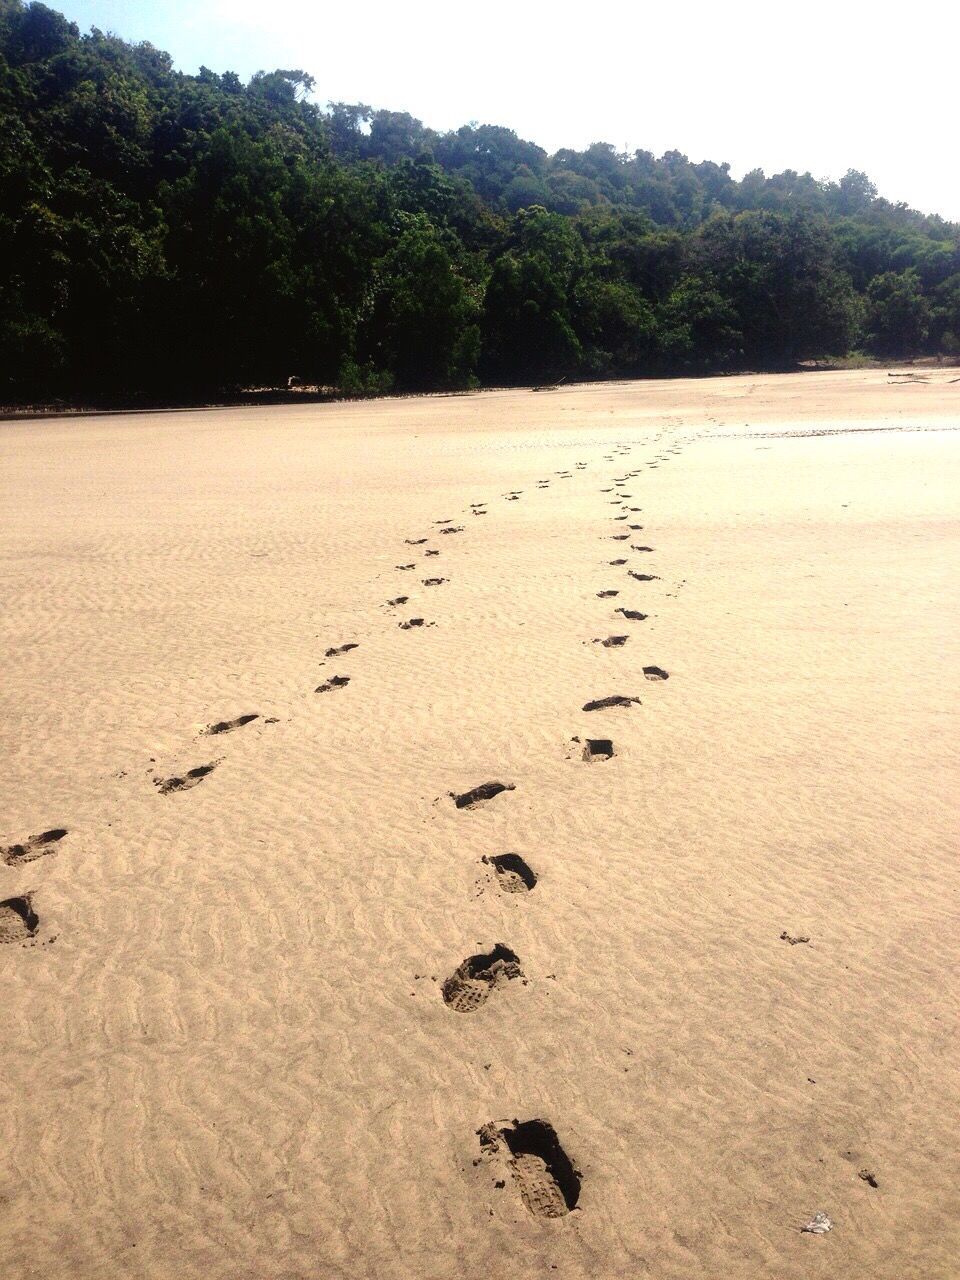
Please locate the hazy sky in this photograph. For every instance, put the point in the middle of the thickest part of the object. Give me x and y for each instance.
(863, 84)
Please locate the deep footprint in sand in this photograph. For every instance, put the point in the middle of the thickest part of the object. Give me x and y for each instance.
(453, 528)
(615, 700)
(185, 781)
(398, 600)
(413, 623)
(414, 542)
(656, 673)
(606, 595)
(475, 980)
(547, 1179)
(514, 875)
(335, 682)
(15, 855)
(434, 582)
(478, 795)
(227, 726)
(407, 566)
(18, 920)
(642, 577)
(335, 651)
(431, 553)
(613, 642)
(617, 563)
(619, 537)
(598, 749)
(633, 615)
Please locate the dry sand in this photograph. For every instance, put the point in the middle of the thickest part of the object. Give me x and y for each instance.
(227, 1052)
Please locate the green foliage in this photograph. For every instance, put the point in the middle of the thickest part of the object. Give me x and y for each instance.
(167, 234)
(897, 316)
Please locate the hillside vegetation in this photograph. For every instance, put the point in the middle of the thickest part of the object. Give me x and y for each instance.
(163, 234)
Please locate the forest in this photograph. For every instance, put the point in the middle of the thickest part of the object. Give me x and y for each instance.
(165, 235)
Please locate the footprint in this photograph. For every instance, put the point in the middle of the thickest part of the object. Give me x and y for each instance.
(621, 517)
(656, 673)
(633, 548)
(414, 542)
(474, 506)
(18, 920)
(786, 937)
(636, 527)
(613, 642)
(225, 726)
(478, 513)
(513, 497)
(15, 855)
(486, 791)
(413, 623)
(547, 1179)
(447, 521)
(335, 682)
(615, 700)
(474, 980)
(619, 537)
(408, 566)
(434, 582)
(617, 562)
(633, 615)
(513, 874)
(184, 781)
(605, 595)
(431, 553)
(598, 749)
(642, 577)
(399, 600)
(453, 528)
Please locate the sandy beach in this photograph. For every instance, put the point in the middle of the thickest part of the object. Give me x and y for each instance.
(278, 1006)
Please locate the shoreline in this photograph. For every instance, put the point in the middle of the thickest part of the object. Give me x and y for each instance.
(280, 396)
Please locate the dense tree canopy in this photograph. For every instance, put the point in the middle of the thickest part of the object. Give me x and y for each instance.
(167, 234)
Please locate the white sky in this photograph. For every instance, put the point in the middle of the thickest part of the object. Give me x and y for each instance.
(864, 84)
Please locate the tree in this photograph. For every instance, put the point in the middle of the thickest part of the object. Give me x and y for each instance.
(422, 325)
(897, 314)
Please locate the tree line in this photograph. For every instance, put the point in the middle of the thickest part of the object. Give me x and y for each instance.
(168, 235)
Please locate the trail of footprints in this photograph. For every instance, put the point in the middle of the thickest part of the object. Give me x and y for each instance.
(529, 1152)
(546, 1179)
